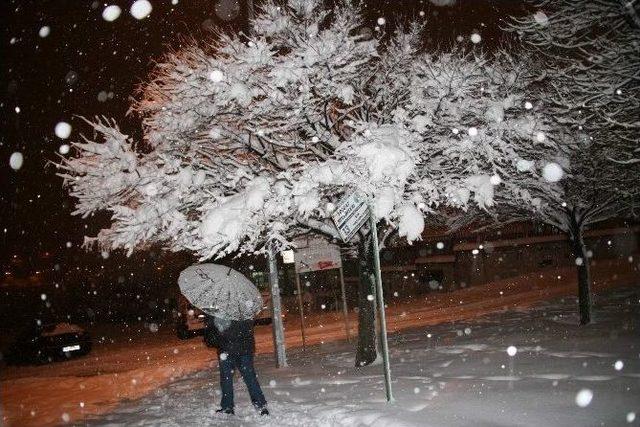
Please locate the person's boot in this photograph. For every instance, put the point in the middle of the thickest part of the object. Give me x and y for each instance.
(228, 411)
(264, 411)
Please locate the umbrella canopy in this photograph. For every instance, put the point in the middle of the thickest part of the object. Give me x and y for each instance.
(220, 291)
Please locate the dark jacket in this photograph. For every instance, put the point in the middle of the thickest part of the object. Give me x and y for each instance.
(237, 338)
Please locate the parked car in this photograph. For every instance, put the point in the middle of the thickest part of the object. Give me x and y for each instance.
(49, 343)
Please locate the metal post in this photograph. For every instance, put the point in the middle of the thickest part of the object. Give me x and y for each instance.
(345, 309)
(276, 313)
(380, 299)
(301, 307)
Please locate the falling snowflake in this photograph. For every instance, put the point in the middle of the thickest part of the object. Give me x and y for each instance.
(15, 160)
(140, 9)
(584, 397)
(111, 13)
(541, 18)
(216, 76)
(552, 172)
(63, 130)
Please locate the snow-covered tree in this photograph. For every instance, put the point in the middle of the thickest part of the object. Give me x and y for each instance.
(585, 79)
(250, 142)
(477, 132)
(589, 56)
(236, 130)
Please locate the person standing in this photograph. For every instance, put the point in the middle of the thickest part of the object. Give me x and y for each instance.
(235, 343)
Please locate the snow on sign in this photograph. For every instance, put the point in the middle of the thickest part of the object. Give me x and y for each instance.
(350, 214)
(317, 257)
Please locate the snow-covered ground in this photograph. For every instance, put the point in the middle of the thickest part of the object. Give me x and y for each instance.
(453, 374)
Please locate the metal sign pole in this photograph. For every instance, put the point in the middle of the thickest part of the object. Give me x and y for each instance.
(276, 313)
(380, 300)
(301, 306)
(345, 309)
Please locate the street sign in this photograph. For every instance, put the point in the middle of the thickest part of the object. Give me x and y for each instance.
(317, 256)
(350, 214)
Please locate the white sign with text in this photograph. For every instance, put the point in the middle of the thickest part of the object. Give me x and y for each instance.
(350, 214)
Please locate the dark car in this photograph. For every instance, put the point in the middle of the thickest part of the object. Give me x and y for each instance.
(49, 343)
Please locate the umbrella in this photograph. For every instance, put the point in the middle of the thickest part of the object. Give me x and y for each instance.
(220, 291)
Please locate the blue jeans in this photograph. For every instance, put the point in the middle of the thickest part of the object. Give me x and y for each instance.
(244, 363)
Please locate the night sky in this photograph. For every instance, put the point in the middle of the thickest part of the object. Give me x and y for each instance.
(87, 66)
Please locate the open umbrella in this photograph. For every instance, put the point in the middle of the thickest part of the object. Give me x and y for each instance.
(220, 291)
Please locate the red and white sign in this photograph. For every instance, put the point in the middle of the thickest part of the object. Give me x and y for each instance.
(316, 256)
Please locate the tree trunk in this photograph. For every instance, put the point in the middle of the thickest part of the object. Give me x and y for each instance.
(584, 275)
(366, 351)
